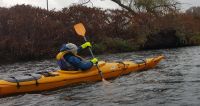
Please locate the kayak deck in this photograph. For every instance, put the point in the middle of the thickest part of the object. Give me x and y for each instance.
(50, 80)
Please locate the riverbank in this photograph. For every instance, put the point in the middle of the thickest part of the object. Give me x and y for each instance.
(29, 33)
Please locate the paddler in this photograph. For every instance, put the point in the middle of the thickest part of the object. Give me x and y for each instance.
(68, 59)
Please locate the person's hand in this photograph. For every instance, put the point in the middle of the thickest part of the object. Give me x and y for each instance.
(86, 44)
(94, 60)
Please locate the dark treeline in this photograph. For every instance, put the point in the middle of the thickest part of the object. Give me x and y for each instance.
(28, 33)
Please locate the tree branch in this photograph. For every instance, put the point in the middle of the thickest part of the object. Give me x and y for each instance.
(85, 2)
(124, 6)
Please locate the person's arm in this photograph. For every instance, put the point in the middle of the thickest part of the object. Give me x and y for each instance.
(78, 63)
(79, 49)
(83, 46)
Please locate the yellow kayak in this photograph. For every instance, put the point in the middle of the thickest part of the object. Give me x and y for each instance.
(42, 81)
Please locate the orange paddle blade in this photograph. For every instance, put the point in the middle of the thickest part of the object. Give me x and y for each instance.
(80, 29)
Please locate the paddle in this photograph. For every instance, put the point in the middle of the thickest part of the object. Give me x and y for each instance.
(80, 30)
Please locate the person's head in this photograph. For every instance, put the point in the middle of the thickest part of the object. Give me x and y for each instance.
(70, 47)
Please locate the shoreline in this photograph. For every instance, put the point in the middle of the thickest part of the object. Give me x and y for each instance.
(33, 60)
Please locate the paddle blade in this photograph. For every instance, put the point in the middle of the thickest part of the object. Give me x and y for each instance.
(80, 29)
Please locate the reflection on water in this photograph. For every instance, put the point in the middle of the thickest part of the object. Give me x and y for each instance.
(175, 81)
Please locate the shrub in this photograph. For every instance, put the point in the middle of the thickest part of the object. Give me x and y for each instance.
(28, 33)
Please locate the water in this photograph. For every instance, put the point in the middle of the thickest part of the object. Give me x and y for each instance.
(175, 81)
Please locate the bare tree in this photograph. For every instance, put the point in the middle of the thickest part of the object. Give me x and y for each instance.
(150, 6)
(194, 11)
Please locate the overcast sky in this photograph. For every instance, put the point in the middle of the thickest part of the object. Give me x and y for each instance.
(59, 4)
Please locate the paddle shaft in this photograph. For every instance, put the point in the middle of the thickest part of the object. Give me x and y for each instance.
(100, 72)
(89, 48)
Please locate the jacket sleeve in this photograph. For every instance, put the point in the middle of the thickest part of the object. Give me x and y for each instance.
(79, 49)
(78, 63)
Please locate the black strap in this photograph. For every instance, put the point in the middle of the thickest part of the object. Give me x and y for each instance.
(18, 85)
(145, 63)
(120, 62)
(124, 68)
(36, 81)
(46, 74)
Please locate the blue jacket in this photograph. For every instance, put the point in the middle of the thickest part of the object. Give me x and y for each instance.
(72, 62)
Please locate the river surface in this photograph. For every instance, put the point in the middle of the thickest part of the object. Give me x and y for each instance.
(174, 82)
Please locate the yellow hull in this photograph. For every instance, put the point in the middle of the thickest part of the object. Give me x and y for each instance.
(62, 78)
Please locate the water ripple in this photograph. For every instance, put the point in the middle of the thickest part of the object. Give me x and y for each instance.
(176, 81)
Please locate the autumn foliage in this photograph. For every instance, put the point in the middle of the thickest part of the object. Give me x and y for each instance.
(28, 33)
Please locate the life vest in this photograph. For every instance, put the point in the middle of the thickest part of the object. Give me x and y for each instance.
(63, 64)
